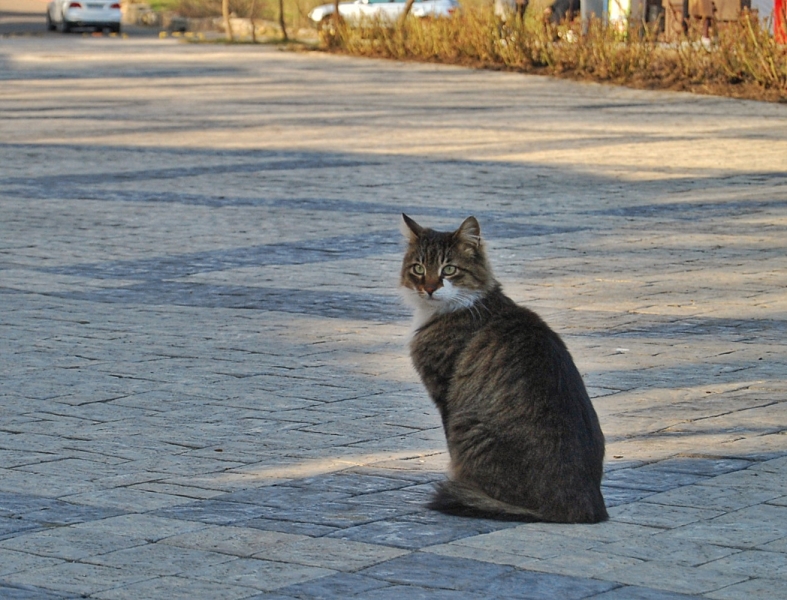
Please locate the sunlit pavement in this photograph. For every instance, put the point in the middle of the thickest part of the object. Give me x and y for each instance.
(205, 384)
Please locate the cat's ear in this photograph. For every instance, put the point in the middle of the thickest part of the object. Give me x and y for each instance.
(410, 229)
(469, 231)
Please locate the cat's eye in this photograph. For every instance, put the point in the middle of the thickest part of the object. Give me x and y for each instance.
(419, 269)
(449, 270)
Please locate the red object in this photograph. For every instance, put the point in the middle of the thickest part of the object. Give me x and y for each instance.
(780, 21)
(75, 5)
(115, 5)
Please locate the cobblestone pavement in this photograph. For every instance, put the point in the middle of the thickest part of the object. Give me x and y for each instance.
(205, 386)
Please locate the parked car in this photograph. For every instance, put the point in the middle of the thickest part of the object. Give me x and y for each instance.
(386, 10)
(65, 15)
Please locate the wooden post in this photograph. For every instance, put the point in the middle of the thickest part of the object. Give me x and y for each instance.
(225, 13)
(281, 21)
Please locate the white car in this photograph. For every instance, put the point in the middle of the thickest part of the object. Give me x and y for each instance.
(65, 15)
(386, 10)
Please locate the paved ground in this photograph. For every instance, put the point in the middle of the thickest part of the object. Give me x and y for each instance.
(205, 388)
(23, 17)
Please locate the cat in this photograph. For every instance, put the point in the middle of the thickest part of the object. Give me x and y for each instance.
(524, 441)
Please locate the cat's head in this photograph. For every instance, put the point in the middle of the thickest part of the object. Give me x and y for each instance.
(444, 271)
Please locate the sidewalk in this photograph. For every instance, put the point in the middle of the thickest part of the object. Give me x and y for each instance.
(205, 388)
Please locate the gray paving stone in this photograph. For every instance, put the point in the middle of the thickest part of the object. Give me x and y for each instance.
(548, 540)
(659, 515)
(770, 466)
(140, 526)
(27, 592)
(434, 571)
(543, 586)
(417, 495)
(33, 484)
(744, 529)
(406, 591)
(339, 555)
(499, 555)
(757, 563)
(291, 527)
(630, 592)
(10, 527)
(285, 496)
(668, 549)
(159, 559)
(340, 585)
(259, 574)
(13, 562)
(402, 534)
(211, 511)
(125, 499)
(748, 479)
(68, 543)
(754, 589)
(352, 483)
(177, 588)
(649, 480)
(16, 458)
(615, 496)
(701, 466)
(346, 514)
(74, 578)
(778, 545)
(713, 497)
(670, 577)
(236, 541)
(418, 530)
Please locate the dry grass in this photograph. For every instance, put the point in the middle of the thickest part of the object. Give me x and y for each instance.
(743, 61)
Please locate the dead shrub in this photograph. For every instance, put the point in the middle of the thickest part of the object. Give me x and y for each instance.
(742, 59)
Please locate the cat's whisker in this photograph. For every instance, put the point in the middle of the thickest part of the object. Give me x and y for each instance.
(477, 309)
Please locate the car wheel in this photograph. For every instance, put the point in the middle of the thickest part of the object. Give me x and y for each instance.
(115, 28)
(65, 26)
(50, 26)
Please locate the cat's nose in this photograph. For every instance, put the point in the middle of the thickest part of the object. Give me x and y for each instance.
(430, 289)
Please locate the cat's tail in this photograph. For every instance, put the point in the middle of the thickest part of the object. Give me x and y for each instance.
(457, 498)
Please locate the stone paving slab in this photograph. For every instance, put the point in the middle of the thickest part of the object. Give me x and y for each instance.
(205, 386)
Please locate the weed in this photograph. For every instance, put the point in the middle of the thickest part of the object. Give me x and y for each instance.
(743, 60)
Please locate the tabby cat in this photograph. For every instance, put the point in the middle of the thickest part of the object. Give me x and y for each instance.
(523, 437)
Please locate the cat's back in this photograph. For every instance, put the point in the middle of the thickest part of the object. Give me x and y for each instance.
(515, 353)
(495, 329)
(515, 336)
(496, 349)
(514, 372)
